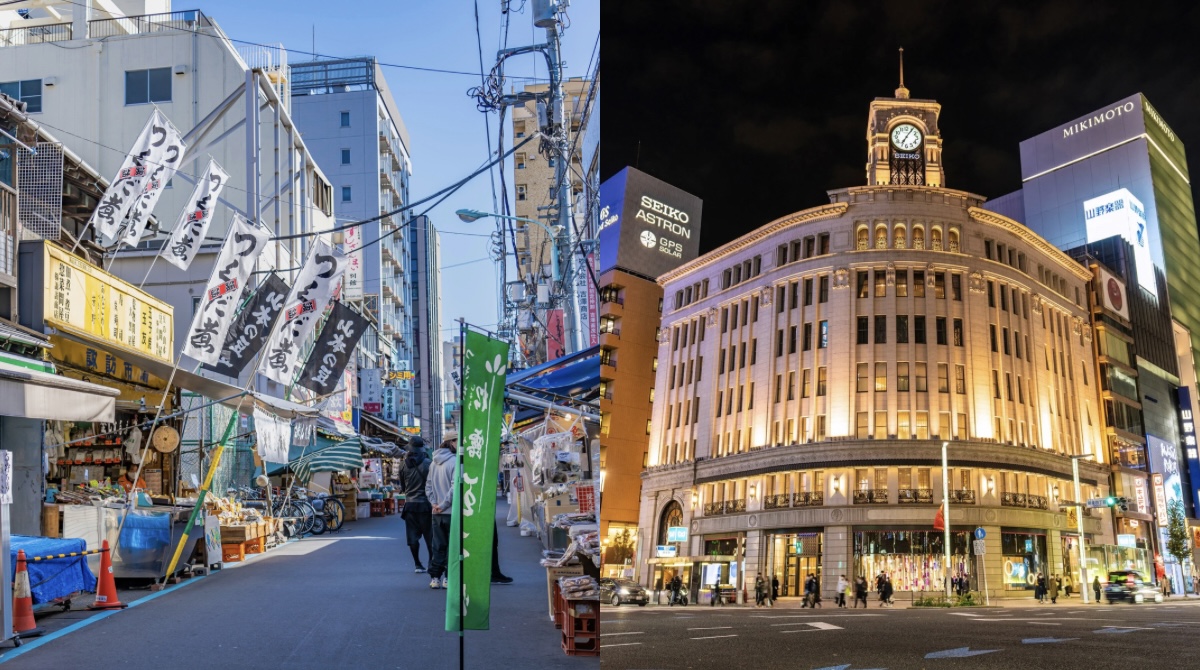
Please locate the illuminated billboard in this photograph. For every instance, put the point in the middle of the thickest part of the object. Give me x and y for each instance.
(647, 226)
(1119, 213)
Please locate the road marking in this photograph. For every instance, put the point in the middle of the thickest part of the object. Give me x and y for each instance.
(628, 633)
(1046, 640)
(623, 644)
(960, 652)
(713, 637)
(814, 616)
(1044, 623)
(1131, 627)
(963, 614)
(712, 628)
(815, 626)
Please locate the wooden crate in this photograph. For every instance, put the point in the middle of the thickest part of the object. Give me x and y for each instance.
(233, 552)
(237, 534)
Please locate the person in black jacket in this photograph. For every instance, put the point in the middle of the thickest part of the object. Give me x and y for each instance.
(417, 514)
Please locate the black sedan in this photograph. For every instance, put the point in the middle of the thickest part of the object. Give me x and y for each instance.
(1129, 586)
(618, 591)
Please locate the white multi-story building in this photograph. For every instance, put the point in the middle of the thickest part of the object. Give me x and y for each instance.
(93, 71)
(351, 123)
(426, 295)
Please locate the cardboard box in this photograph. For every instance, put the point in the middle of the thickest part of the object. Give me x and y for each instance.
(552, 575)
(364, 510)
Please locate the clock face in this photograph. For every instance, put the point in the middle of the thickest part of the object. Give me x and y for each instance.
(906, 137)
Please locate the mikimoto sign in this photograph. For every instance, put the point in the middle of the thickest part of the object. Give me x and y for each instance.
(647, 226)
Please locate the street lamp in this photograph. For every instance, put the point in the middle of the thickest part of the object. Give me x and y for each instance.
(472, 215)
(946, 515)
(1084, 588)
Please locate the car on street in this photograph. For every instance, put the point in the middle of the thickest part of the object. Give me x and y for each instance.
(619, 591)
(1128, 585)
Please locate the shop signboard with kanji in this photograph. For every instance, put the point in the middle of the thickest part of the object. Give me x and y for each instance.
(85, 301)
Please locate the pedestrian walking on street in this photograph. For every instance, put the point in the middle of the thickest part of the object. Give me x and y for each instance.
(1053, 589)
(759, 591)
(417, 513)
(886, 593)
(860, 591)
(439, 488)
(842, 587)
(1096, 588)
(774, 587)
(1039, 589)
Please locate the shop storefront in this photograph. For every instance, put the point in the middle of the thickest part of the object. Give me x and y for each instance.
(1023, 557)
(721, 564)
(792, 556)
(914, 559)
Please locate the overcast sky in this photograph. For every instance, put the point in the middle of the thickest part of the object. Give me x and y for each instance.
(759, 108)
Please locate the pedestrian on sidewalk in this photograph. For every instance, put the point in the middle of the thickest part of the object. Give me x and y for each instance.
(439, 488)
(887, 591)
(1039, 589)
(417, 513)
(774, 587)
(860, 591)
(1053, 589)
(498, 577)
(1096, 588)
(842, 587)
(759, 590)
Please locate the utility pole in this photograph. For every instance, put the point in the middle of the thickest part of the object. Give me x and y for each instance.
(564, 242)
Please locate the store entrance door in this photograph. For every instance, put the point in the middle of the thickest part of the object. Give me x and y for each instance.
(794, 556)
(796, 570)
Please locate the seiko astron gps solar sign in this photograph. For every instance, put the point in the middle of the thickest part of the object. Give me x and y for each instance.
(647, 226)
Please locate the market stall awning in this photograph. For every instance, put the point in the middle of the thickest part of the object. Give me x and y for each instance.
(344, 455)
(41, 395)
(570, 383)
(390, 449)
(209, 388)
(387, 427)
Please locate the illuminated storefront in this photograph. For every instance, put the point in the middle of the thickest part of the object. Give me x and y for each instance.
(914, 559)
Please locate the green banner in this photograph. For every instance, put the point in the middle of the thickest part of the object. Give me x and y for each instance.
(472, 532)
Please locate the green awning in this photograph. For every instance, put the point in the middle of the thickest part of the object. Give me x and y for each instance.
(344, 455)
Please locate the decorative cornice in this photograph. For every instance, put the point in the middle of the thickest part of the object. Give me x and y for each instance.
(991, 218)
(805, 216)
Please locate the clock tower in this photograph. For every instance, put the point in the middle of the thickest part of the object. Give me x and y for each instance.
(904, 145)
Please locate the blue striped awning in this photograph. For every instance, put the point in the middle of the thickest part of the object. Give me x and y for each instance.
(344, 455)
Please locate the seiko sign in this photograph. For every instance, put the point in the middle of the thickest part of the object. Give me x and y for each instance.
(646, 225)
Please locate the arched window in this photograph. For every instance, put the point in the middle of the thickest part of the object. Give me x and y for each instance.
(935, 238)
(881, 237)
(900, 238)
(862, 239)
(953, 240)
(918, 237)
(672, 516)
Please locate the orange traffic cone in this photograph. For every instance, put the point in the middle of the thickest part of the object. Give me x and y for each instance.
(106, 590)
(24, 624)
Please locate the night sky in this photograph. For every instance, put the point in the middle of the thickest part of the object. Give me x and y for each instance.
(759, 107)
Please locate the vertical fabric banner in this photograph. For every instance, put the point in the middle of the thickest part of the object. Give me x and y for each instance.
(249, 331)
(473, 523)
(352, 287)
(124, 189)
(170, 155)
(334, 347)
(196, 217)
(273, 435)
(302, 310)
(224, 291)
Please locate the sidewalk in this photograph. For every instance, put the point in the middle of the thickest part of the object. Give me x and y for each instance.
(904, 601)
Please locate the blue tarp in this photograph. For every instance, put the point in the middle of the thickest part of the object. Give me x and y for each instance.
(575, 376)
(56, 578)
(145, 540)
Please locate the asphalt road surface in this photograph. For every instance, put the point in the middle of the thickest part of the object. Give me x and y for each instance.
(1063, 636)
(347, 600)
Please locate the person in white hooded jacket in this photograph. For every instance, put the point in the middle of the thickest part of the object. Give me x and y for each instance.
(439, 488)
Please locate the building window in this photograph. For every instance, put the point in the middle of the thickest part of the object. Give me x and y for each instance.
(880, 284)
(919, 329)
(821, 381)
(520, 161)
(520, 191)
(808, 291)
(903, 430)
(918, 283)
(902, 329)
(806, 383)
(922, 379)
(863, 329)
(145, 86)
(958, 332)
(863, 427)
(791, 385)
(902, 377)
(807, 337)
(863, 287)
(345, 119)
(881, 330)
(863, 379)
(956, 286)
(943, 378)
(28, 91)
(881, 425)
(901, 283)
(881, 377)
(346, 192)
(960, 379)
(940, 325)
(823, 289)
(823, 339)
(345, 156)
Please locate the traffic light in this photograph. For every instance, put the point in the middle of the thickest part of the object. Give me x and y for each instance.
(1110, 501)
(1123, 504)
